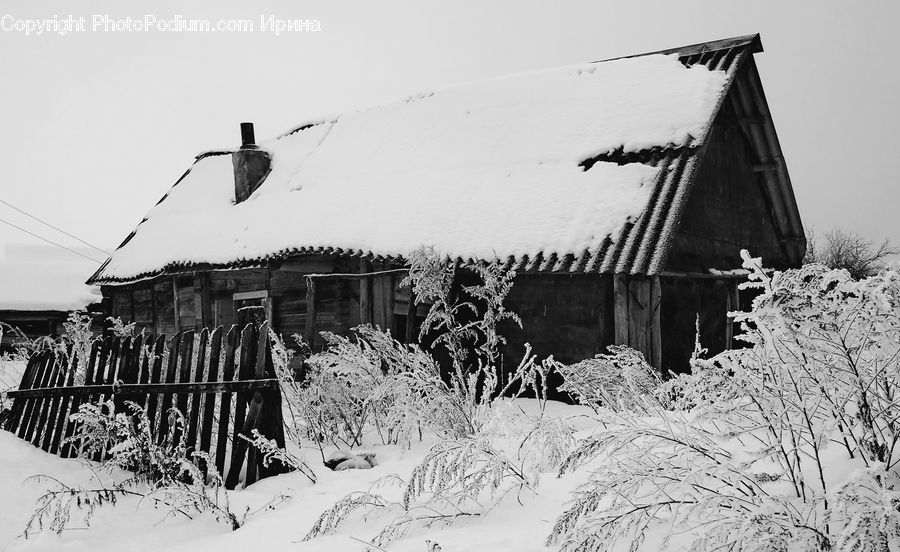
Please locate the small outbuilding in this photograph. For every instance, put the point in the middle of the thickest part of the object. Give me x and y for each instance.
(39, 287)
(620, 191)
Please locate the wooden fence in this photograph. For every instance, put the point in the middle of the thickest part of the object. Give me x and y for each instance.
(223, 383)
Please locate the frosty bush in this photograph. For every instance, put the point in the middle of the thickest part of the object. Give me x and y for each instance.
(463, 320)
(617, 380)
(370, 382)
(451, 482)
(162, 473)
(758, 461)
(400, 390)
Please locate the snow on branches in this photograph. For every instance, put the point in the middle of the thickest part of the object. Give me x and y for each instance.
(757, 451)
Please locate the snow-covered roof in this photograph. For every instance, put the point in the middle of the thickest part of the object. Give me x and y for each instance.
(526, 166)
(44, 283)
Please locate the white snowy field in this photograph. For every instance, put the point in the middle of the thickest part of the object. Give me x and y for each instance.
(521, 521)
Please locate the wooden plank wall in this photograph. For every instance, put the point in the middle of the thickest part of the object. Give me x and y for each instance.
(637, 305)
(206, 299)
(683, 300)
(728, 208)
(565, 316)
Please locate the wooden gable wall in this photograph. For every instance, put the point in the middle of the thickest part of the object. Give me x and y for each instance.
(728, 209)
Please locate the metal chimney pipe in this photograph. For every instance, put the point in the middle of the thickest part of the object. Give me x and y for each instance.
(248, 140)
(251, 165)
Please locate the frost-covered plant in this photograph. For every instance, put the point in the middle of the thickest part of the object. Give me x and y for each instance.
(119, 328)
(463, 318)
(465, 472)
(371, 382)
(746, 466)
(79, 336)
(272, 452)
(337, 390)
(453, 481)
(163, 473)
(617, 380)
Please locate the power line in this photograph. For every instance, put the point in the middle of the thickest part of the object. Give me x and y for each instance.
(49, 241)
(27, 214)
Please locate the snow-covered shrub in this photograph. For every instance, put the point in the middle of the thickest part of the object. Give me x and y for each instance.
(617, 380)
(465, 472)
(162, 473)
(463, 320)
(451, 482)
(272, 452)
(757, 459)
(119, 328)
(371, 383)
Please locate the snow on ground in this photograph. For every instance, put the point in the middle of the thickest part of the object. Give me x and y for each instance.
(480, 170)
(521, 521)
(127, 526)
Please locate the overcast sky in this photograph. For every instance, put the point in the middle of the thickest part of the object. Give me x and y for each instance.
(95, 126)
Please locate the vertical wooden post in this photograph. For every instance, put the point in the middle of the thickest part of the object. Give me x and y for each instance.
(176, 304)
(732, 303)
(154, 318)
(620, 308)
(268, 304)
(365, 293)
(203, 317)
(309, 332)
(411, 317)
(131, 295)
(383, 299)
(639, 315)
(655, 323)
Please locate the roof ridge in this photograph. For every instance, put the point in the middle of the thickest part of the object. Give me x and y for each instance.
(752, 40)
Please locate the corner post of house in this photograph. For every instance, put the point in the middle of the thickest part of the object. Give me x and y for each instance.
(655, 323)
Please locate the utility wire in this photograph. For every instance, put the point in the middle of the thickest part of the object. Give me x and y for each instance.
(8, 204)
(49, 241)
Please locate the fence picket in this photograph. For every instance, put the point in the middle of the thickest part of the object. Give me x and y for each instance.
(44, 409)
(225, 403)
(69, 449)
(127, 370)
(240, 407)
(171, 372)
(184, 367)
(209, 401)
(32, 411)
(50, 425)
(155, 373)
(18, 408)
(193, 418)
(63, 407)
(259, 372)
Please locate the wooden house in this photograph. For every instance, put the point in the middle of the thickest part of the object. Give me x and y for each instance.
(620, 191)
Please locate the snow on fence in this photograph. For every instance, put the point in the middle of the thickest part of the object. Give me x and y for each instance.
(223, 382)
